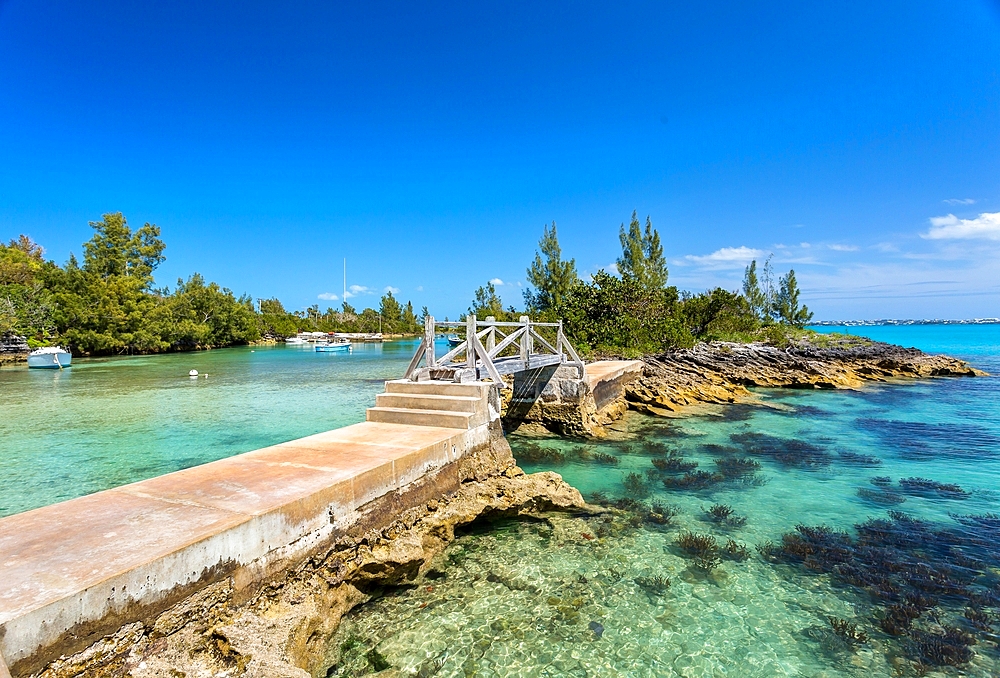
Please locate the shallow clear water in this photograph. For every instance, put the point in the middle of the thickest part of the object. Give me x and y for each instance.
(574, 595)
(106, 422)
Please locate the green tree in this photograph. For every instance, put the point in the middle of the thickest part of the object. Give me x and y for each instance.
(552, 277)
(115, 250)
(390, 310)
(619, 316)
(409, 318)
(347, 309)
(642, 257)
(753, 293)
(718, 314)
(487, 303)
(786, 302)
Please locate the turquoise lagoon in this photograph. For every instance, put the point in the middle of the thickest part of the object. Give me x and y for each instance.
(578, 596)
(105, 422)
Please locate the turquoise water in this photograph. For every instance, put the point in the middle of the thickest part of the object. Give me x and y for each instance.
(579, 596)
(109, 421)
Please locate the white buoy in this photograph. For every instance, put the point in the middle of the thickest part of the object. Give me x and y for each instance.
(193, 373)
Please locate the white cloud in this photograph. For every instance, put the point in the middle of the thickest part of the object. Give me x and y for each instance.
(496, 281)
(613, 268)
(805, 245)
(986, 225)
(328, 296)
(390, 288)
(355, 290)
(420, 288)
(843, 248)
(727, 257)
(959, 201)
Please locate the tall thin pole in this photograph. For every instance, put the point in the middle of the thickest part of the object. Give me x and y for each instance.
(345, 280)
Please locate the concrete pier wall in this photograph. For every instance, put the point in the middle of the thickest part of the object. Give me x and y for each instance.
(558, 399)
(74, 572)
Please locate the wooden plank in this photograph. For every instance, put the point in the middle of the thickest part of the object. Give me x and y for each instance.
(470, 341)
(416, 359)
(488, 364)
(546, 344)
(511, 338)
(429, 340)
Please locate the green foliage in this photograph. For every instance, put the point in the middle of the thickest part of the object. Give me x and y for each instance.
(718, 315)
(390, 309)
(753, 293)
(487, 303)
(108, 305)
(552, 277)
(115, 250)
(642, 257)
(621, 316)
(786, 302)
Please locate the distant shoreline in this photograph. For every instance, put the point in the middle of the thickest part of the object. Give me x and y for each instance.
(888, 322)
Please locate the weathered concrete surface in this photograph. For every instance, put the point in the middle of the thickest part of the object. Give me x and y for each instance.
(283, 628)
(76, 571)
(560, 401)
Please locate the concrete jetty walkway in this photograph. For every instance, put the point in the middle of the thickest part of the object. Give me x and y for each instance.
(74, 572)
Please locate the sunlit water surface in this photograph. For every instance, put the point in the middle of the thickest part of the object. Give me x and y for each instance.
(106, 422)
(578, 596)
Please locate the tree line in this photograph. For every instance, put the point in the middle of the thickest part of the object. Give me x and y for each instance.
(107, 303)
(636, 312)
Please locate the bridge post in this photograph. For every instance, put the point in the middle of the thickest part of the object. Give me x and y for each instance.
(525, 340)
(429, 341)
(491, 338)
(470, 343)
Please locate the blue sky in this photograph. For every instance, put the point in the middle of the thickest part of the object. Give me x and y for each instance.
(428, 144)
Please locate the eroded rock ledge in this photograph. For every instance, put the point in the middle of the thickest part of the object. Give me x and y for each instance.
(283, 630)
(721, 372)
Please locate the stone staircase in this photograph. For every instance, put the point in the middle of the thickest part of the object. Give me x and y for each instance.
(432, 403)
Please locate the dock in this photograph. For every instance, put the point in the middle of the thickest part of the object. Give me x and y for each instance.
(74, 572)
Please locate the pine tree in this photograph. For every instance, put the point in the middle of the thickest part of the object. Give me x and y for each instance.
(787, 302)
(753, 293)
(642, 257)
(552, 277)
(487, 303)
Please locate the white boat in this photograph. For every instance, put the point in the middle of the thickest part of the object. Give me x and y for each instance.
(295, 341)
(455, 340)
(341, 345)
(50, 357)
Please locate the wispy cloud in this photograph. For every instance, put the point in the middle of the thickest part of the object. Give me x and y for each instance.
(843, 248)
(420, 288)
(959, 201)
(496, 281)
(727, 257)
(328, 296)
(985, 226)
(356, 290)
(390, 288)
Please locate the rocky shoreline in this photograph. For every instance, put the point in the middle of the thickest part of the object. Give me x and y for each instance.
(283, 630)
(723, 372)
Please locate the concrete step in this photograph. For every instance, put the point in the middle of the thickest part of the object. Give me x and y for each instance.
(400, 415)
(423, 401)
(435, 388)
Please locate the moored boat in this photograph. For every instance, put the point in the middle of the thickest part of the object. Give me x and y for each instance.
(50, 357)
(334, 347)
(455, 340)
(295, 341)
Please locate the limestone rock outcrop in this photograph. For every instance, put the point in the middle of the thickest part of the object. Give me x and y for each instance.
(722, 372)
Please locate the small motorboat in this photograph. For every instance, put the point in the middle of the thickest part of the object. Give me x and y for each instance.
(455, 340)
(295, 341)
(50, 357)
(339, 346)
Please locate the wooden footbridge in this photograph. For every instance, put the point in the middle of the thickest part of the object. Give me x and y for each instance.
(491, 349)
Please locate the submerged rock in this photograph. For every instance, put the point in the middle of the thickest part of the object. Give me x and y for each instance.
(597, 627)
